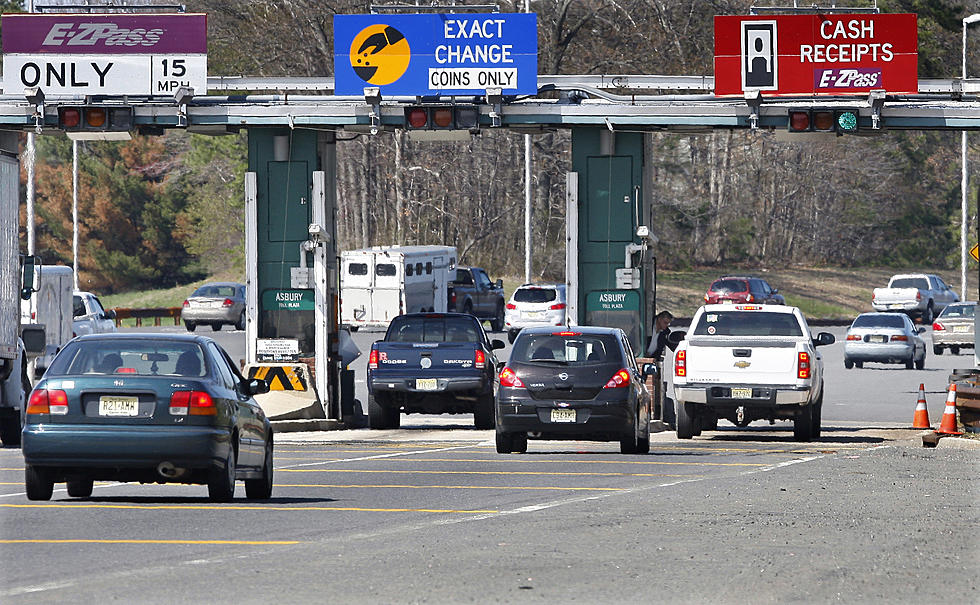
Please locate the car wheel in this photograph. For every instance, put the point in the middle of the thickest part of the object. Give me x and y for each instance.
(497, 323)
(686, 419)
(859, 364)
(848, 363)
(216, 327)
(38, 483)
(10, 426)
(803, 424)
(190, 326)
(928, 315)
(261, 488)
(483, 418)
(80, 488)
(512, 336)
(519, 443)
(938, 350)
(505, 442)
(910, 362)
(954, 350)
(382, 417)
(241, 322)
(221, 483)
(921, 362)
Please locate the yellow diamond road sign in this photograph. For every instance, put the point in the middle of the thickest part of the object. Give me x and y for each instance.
(975, 252)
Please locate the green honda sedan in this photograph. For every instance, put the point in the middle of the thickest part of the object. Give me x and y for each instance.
(147, 408)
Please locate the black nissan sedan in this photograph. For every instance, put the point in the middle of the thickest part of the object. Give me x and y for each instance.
(150, 409)
(572, 383)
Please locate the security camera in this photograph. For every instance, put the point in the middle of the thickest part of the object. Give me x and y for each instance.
(318, 234)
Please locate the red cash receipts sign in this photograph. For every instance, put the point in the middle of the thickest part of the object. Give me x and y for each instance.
(816, 54)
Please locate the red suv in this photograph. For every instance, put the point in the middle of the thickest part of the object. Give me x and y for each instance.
(742, 290)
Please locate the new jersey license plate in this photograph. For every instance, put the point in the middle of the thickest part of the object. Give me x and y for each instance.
(115, 405)
(426, 384)
(959, 329)
(563, 415)
(741, 393)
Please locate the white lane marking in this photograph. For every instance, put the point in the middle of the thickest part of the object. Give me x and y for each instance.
(378, 456)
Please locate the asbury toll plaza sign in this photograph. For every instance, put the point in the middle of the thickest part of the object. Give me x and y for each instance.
(809, 55)
(105, 54)
(436, 54)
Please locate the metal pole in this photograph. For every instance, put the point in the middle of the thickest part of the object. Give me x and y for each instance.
(964, 185)
(527, 192)
(74, 212)
(30, 175)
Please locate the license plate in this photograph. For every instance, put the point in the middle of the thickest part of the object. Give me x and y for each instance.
(426, 384)
(119, 406)
(878, 338)
(896, 306)
(741, 393)
(961, 328)
(563, 415)
(534, 314)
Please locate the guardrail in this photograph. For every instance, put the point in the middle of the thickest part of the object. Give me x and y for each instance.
(156, 313)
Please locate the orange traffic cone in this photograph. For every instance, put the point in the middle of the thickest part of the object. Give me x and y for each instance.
(948, 424)
(920, 420)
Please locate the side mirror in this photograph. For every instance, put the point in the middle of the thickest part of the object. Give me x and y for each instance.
(499, 283)
(110, 314)
(496, 343)
(28, 286)
(824, 338)
(675, 337)
(256, 386)
(500, 366)
(920, 330)
(650, 369)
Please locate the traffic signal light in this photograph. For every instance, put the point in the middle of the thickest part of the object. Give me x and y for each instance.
(841, 121)
(442, 117)
(96, 121)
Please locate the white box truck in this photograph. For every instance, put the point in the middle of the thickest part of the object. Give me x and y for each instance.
(377, 284)
(51, 307)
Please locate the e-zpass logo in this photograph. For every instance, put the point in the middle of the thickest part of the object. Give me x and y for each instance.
(108, 34)
(847, 78)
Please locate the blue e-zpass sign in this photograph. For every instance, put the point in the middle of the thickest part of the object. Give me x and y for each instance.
(443, 54)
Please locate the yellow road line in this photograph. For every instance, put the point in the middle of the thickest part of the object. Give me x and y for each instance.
(521, 460)
(552, 474)
(501, 487)
(250, 508)
(112, 541)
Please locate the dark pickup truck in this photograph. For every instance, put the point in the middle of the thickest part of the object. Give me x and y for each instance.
(432, 363)
(472, 292)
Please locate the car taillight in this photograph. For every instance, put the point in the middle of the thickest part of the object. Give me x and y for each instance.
(938, 327)
(452, 299)
(619, 380)
(566, 333)
(44, 401)
(706, 298)
(480, 359)
(853, 337)
(557, 307)
(918, 295)
(899, 337)
(194, 403)
(373, 360)
(227, 302)
(187, 303)
(680, 363)
(749, 298)
(803, 365)
(511, 306)
(510, 379)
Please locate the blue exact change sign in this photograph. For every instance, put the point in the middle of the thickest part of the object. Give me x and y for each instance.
(443, 54)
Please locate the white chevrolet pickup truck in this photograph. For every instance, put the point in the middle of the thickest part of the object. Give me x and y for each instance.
(749, 362)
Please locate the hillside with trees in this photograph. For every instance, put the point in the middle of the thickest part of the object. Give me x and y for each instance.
(164, 210)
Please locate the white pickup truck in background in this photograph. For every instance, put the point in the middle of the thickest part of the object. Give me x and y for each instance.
(748, 362)
(920, 295)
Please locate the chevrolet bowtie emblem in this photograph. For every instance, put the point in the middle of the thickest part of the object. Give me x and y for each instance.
(742, 364)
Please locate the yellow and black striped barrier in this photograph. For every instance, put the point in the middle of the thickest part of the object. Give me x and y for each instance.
(281, 377)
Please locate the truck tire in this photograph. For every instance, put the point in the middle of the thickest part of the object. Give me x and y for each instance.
(686, 420)
(928, 315)
(497, 323)
(38, 483)
(10, 426)
(483, 413)
(381, 417)
(815, 418)
(80, 488)
(803, 424)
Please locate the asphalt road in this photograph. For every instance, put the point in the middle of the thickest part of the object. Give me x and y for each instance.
(431, 514)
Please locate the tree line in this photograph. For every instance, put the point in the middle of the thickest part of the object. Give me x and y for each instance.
(164, 210)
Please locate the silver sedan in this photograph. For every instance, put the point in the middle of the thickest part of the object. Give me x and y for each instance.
(215, 304)
(884, 338)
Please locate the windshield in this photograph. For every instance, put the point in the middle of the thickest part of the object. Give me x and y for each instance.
(885, 320)
(569, 349)
(535, 295)
(747, 323)
(958, 311)
(910, 282)
(141, 357)
(433, 329)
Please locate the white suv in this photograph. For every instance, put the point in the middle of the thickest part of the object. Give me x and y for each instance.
(535, 305)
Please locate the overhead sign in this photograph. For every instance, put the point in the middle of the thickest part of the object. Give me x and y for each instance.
(441, 54)
(105, 54)
(785, 55)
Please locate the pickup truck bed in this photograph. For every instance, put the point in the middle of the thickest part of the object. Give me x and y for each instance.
(432, 363)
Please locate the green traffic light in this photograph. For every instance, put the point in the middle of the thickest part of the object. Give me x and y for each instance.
(847, 121)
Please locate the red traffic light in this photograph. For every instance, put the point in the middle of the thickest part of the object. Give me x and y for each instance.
(442, 117)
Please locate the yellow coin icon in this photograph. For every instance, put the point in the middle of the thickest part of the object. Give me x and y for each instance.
(379, 54)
